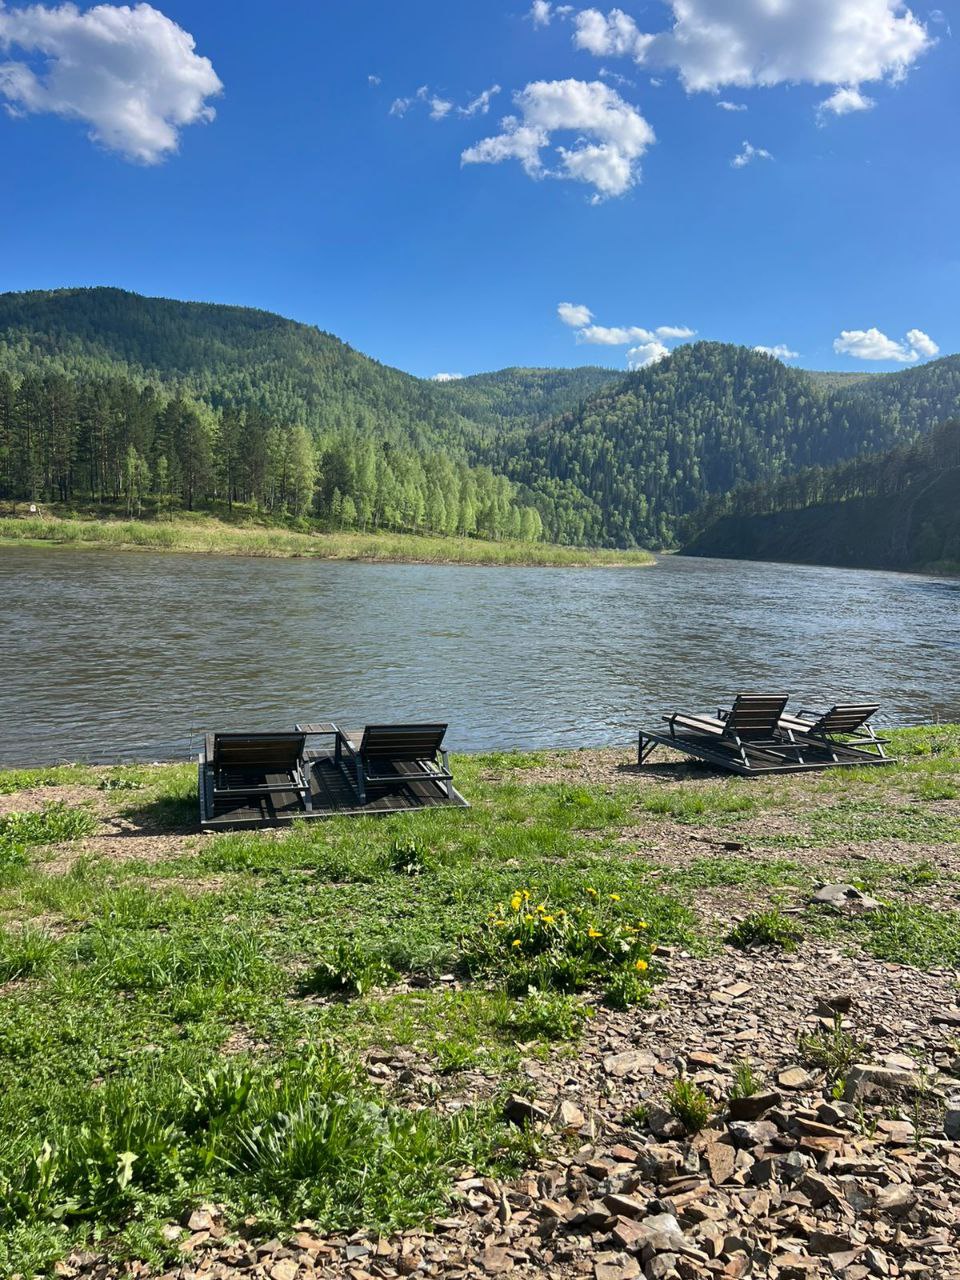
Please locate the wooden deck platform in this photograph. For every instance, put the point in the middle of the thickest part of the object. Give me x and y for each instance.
(783, 758)
(332, 795)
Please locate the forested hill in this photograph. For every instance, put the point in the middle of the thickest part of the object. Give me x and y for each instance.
(896, 510)
(291, 372)
(593, 455)
(516, 398)
(648, 452)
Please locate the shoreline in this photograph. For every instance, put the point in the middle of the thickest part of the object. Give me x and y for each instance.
(211, 537)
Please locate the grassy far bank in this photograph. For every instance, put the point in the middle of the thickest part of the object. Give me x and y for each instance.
(213, 536)
(185, 1019)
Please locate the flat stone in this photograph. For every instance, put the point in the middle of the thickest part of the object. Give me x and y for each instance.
(624, 1064)
(864, 1079)
(896, 1200)
(826, 1242)
(569, 1116)
(523, 1111)
(721, 1158)
(625, 1206)
(796, 1078)
(845, 897)
(753, 1106)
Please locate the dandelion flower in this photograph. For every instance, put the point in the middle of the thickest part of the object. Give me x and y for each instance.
(516, 942)
(614, 897)
(641, 966)
(515, 902)
(548, 920)
(594, 933)
(592, 893)
(642, 924)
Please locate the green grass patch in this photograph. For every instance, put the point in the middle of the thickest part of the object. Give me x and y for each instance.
(698, 805)
(205, 534)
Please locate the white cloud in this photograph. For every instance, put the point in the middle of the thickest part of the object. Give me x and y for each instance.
(843, 101)
(609, 163)
(577, 317)
(480, 105)
(646, 354)
(615, 77)
(871, 344)
(600, 335)
(374, 80)
(614, 34)
(441, 108)
(130, 73)
(650, 343)
(541, 13)
(446, 377)
(713, 43)
(781, 351)
(922, 343)
(748, 154)
(731, 106)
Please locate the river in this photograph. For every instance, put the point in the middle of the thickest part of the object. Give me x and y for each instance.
(112, 656)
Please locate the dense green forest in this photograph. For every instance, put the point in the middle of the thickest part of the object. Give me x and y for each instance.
(515, 399)
(113, 441)
(587, 456)
(894, 510)
(650, 451)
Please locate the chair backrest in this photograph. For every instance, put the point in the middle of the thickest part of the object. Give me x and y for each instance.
(263, 751)
(755, 715)
(846, 717)
(402, 741)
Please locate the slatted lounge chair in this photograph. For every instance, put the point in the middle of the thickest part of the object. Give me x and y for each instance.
(237, 765)
(745, 739)
(393, 755)
(842, 732)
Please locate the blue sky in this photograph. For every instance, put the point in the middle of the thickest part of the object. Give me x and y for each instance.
(326, 189)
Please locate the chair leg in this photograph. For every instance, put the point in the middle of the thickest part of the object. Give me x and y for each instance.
(361, 782)
(304, 772)
(447, 782)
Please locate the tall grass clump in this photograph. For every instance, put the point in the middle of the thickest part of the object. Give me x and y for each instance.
(303, 1138)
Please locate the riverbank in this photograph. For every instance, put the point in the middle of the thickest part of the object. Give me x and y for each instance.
(595, 1025)
(211, 536)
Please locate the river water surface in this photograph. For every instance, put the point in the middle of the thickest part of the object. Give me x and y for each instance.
(120, 656)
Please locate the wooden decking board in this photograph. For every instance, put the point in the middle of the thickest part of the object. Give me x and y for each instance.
(332, 796)
(712, 751)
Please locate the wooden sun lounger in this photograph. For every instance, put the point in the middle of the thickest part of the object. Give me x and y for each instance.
(746, 739)
(844, 733)
(392, 755)
(241, 764)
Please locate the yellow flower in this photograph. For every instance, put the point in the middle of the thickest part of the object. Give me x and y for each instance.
(528, 918)
(594, 933)
(500, 924)
(516, 942)
(642, 924)
(642, 966)
(548, 919)
(592, 893)
(526, 893)
(515, 902)
(614, 897)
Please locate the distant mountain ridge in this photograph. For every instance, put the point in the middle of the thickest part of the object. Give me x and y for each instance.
(605, 457)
